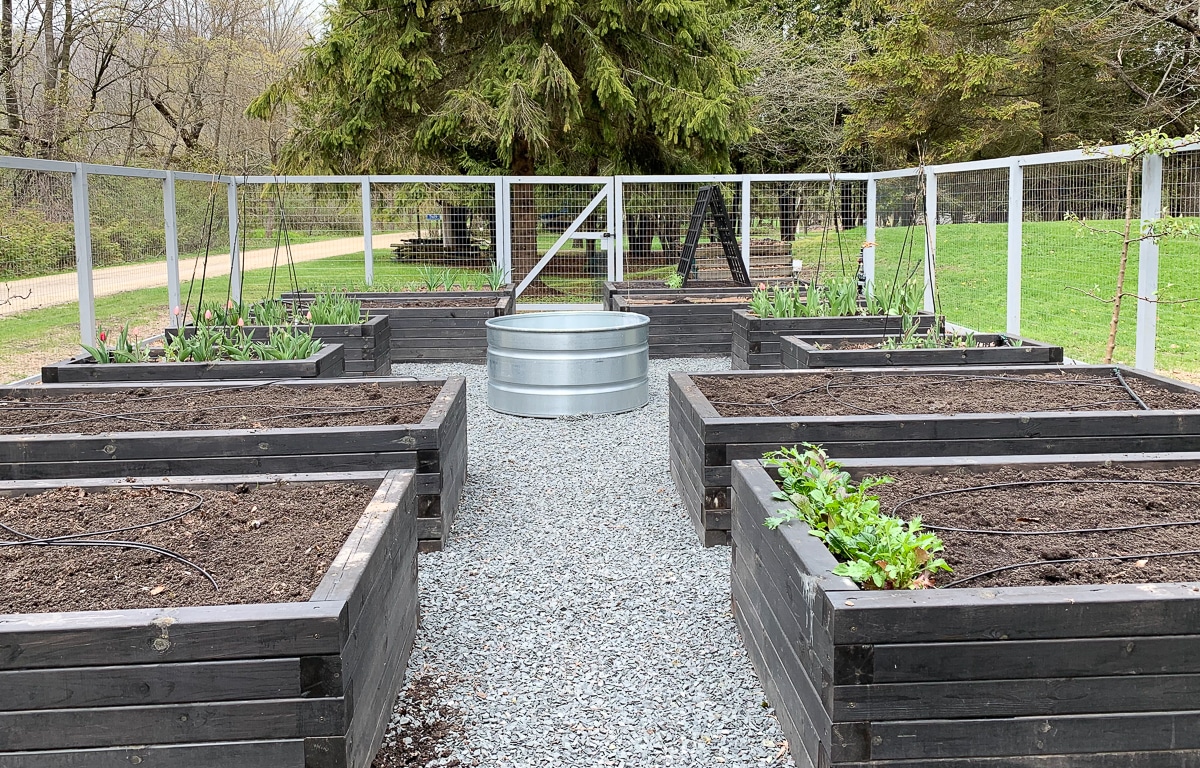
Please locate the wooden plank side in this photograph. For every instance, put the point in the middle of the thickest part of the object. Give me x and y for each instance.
(1068, 735)
(1018, 613)
(76, 687)
(163, 468)
(1175, 758)
(171, 723)
(151, 635)
(1015, 698)
(921, 662)
(283, 753)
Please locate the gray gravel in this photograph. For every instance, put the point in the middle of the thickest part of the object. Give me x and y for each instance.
(574, 619)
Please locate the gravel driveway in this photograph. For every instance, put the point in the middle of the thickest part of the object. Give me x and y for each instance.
(574, 619)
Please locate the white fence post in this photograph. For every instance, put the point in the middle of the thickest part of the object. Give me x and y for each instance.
(171, 230)
(82, 211)
(503, 232)
(868, 252)
(746, 224)
(235, 261)
(368, 233)
(1016, 215)
(1147, 306)
(610, 246)
(619, 228)
(930, 239)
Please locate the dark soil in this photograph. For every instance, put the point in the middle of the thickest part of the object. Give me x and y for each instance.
(855, 394)
(259, 406)
(644, 301)
(270, 544)
(407, 303)
(1057, 508)
(421, 728)
(692, 284)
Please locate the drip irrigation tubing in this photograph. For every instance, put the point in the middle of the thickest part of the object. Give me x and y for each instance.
(1125, 384)
(1100, 558)
(79, 540)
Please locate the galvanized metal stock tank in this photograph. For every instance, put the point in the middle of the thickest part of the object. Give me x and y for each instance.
(568, 363)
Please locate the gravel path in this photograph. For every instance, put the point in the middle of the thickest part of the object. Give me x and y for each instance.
(574, 619)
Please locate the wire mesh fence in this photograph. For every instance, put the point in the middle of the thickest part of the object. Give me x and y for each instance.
(427, 234)
(1178, 326)
(37, 238)
(310, 235)
(1071, 250)
(300, 237)
(819, 224)
(972, 248)
(545, 219)
(899, 234)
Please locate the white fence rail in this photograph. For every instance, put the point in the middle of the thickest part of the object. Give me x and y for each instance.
(76, 231)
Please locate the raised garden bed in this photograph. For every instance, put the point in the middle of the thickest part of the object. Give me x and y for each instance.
(716, 418)
(435, 326)
(187, 676)
(756, 343)
(366, 346)
(797, 352)
(174, 428)
(1088, 674)
(325, 363)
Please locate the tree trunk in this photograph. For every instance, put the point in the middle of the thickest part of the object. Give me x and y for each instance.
(12, 107)
(1116, 313)
(787, 214)
(524, 213)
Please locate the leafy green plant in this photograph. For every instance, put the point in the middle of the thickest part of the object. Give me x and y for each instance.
(875, 550)
(333, 309)
(906, 299)
(203, 344)
(124, 349)
(842, 293)
(287, 344)
(495, 278)
(227, 313)
(431, 277)
(270, 312)
(449, 278)
(673, 281)
(909, 338)
(472, 281)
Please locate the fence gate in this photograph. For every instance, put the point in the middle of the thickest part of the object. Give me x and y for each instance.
(561, 246)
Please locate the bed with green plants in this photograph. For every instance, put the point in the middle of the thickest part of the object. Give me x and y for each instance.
(912, 347)
(930, 611)
(208, 352)
(838, 305)
(329, 318)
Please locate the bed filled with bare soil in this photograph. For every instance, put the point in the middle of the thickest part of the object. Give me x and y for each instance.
(265, 544)
(1018, 517)
(647, 301)
(856, 394)
(259, 406)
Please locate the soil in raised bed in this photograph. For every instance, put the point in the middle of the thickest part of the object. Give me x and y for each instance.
(258, 406)
(1057, 507)
(640, 301)
(854, 394)
(407, 303)
(266, 544)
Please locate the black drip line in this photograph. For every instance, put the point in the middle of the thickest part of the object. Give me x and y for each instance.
(1066, 532)
(1102, 558)
(1125, 384)
(85, 539)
